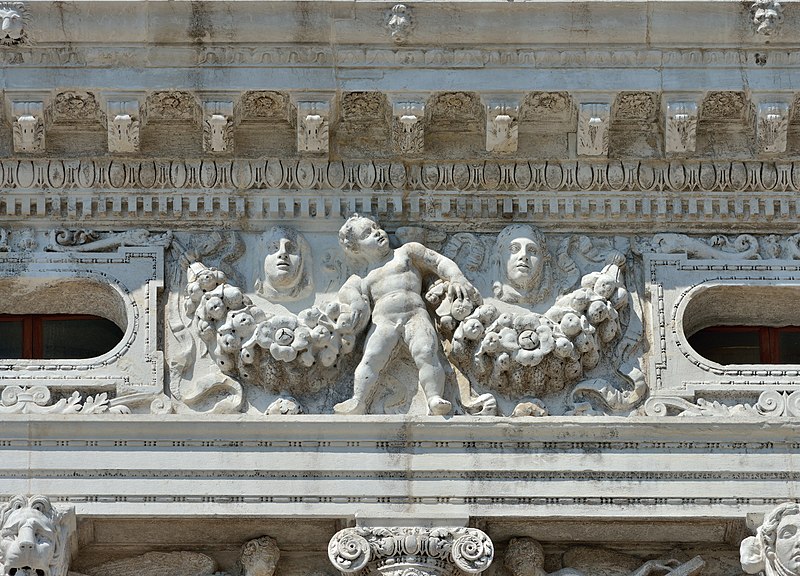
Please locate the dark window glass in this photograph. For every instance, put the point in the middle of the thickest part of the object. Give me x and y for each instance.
(56, 336)
(11, 339)
(748, 344)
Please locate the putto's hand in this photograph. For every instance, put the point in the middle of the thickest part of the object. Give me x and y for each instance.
(461, 289)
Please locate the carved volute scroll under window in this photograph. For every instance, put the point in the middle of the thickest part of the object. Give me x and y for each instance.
(732, 325)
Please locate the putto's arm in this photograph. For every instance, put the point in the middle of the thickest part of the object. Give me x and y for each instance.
(445, 269)
(352, 295)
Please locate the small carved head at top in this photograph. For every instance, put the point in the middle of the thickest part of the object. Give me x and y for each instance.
(399, 22)
(14, 16)
(524, 557)
(767, 16)
(33, 538)
(521, 263)
(287, 266)
(775, 549)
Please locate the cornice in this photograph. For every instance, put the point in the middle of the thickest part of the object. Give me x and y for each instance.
(632, 194)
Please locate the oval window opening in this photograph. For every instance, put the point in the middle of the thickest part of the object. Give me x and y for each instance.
(736, 324)
(748, 344)
(56, 336)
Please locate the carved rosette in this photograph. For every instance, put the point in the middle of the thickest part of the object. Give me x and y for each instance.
(411, 551)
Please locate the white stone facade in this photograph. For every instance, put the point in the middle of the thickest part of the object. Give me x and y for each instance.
(404, 289)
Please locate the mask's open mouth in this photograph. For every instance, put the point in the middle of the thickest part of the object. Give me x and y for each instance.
(25, 571)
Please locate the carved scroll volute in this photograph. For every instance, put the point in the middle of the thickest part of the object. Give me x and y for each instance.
(410, 550)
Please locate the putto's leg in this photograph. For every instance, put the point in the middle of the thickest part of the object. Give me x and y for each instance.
(423, 344)
(380, 342)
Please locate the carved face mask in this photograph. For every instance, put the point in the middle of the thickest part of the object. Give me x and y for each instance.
(523, 262)
(283, 263)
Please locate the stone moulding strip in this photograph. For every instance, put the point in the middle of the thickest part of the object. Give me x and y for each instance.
(631, 193)
(293, 56)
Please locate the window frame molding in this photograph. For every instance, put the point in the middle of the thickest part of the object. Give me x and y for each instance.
(134, 365)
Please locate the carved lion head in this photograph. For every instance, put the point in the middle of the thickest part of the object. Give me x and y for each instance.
(33, 538)
(14, 17)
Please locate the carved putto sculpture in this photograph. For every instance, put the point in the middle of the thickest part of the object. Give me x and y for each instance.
(287, 266)
(34, 538)
(548, 334)
(389, 296)
(775, 549)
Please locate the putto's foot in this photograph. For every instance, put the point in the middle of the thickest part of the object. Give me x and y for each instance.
(352, 406)
(438, 406)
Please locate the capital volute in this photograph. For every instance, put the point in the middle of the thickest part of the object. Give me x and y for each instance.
(410, 551)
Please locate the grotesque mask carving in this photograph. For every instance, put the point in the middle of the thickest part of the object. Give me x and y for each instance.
(33, 538)
(14, 17)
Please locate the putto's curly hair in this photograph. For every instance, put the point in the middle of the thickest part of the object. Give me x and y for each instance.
(348, 238)
(769, 529)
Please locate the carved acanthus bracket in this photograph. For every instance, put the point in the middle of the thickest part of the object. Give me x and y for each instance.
(313, 121)
(36, 537)
(218, 126)
(123, 126)
(28, 126)
(772, 127)
(413, 550)
(408, 130)
(680, 129)
(502, 125)
(593, 121)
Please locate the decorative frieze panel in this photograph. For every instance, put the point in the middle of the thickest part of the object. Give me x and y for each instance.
(408, 126)
(502, 126)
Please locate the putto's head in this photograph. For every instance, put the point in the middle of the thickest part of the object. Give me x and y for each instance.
(361, 237)
(32, 538)
(13, 16)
